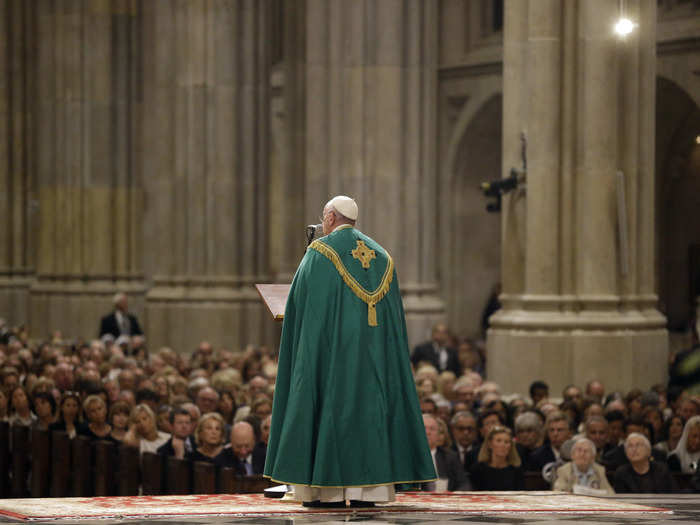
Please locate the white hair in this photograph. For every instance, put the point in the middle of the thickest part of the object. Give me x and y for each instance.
(118, 297)
(585, 442)
(527, 421)
(463, 381)
(638, 435)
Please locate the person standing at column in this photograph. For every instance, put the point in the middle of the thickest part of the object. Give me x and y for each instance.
(437, 352)
(120, 321)
(346, 423)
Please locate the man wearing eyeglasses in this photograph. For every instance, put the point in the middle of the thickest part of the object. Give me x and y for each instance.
(463, 425)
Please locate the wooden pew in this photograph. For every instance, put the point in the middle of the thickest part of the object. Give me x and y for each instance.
(254, 484)
(228, 481)
(128, 471)
(41, 463)
(60, 465)
(152, 473)
(20, 461)
(4, 459)
(178, 476)
(81, 467)
(105, 468)
(203, 477)
(535, 481)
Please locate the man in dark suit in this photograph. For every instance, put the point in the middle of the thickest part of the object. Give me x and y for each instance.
(446, 461)
(437, 352)
(180, 441)
(120, 321)
(243, 455)
(466, 437)
(558, 429)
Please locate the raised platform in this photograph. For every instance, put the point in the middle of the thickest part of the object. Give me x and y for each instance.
(247, 506)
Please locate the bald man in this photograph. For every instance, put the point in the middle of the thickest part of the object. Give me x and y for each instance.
(242, 454)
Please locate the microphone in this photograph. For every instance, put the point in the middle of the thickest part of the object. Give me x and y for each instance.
(313, 231)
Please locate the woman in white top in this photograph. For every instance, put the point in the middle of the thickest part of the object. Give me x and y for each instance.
(143, 432)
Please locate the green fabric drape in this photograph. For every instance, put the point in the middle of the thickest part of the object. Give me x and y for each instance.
(345, 411)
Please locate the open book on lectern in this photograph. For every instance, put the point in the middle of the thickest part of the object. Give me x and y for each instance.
(275, 295)
(275, 298)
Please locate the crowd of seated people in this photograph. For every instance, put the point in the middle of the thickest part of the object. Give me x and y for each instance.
(215, 405)
(209, 406)
(587, 440)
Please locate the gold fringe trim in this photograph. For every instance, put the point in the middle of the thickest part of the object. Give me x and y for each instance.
(370, 298)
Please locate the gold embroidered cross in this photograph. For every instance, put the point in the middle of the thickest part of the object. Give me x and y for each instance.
(363, 254)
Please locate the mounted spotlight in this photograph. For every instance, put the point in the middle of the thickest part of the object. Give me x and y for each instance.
(498, 187)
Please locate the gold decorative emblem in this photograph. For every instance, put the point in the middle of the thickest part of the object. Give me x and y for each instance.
(363, 254)
(371, 298)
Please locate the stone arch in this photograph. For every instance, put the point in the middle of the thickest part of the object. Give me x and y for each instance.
(471, 237)
(678, 202)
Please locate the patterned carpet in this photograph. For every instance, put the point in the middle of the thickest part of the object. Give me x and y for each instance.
(256, 505)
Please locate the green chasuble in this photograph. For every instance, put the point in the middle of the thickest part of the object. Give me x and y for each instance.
(346, 411)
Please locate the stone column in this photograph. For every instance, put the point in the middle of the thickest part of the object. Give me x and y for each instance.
(585, 306)
(90, 202)
(288, 214)
(370, 131)
(205, 147)
(17, 49)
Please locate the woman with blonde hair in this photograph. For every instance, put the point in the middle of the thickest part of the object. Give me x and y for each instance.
(95, 410)
(209, 437)
(498, 466)
(444, 439)
(446, 383)
(143, 432)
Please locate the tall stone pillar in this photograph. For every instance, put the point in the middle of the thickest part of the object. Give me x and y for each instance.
(578, 290)
(88, 178)
(370, 126)
(205, 147)
(17, 49)
(288, 214)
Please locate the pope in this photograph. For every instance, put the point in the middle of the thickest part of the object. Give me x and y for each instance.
(346, 423)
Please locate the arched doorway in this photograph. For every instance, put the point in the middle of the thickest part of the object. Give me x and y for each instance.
(471, 265)
(678, 204)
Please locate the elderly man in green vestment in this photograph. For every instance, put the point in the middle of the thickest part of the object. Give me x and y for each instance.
(346, 424)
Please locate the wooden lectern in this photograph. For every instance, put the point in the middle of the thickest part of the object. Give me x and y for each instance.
(275, 298)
